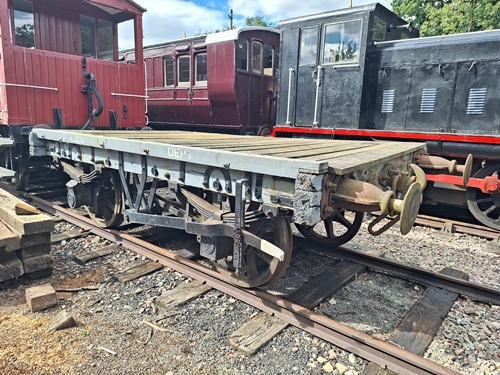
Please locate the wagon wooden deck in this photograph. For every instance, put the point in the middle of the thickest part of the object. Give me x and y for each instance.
(283, 157)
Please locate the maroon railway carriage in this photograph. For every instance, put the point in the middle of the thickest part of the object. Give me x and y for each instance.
(223, 80)
(60, 67)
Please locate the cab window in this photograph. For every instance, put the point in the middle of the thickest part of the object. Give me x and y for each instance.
(268, 60)
(308, 46)
(381, 31)
(256, 57)
(342, 42)
(23, 30)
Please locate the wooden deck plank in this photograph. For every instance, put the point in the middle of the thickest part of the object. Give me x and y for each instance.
(280, 157)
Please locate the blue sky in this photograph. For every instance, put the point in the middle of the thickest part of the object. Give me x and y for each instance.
(172, 19)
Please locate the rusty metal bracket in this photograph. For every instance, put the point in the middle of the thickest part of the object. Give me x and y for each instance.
(239, 225)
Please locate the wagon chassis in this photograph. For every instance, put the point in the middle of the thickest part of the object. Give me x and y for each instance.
(238, 199)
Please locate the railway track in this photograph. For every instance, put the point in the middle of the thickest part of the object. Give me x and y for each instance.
(380, 353)
(453, 226)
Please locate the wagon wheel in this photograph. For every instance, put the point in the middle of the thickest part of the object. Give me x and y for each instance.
(485, 207)
(261, 268)
(334, 231)
(108, 200)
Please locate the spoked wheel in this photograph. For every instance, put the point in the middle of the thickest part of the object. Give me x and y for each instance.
(21, 177)
(261, 268)
(109, 200)
(334, 231)
(485, 207)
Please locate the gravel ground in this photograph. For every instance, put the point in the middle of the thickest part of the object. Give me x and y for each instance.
(192, 341)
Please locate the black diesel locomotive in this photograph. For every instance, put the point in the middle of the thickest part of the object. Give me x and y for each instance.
(363, 73)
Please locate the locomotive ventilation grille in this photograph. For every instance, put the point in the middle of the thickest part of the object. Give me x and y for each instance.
(477, 98)
(428, 103)
(388, 98)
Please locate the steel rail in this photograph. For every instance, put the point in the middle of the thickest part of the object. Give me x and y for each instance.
(382, 353)
(458, 226)
(460, 286)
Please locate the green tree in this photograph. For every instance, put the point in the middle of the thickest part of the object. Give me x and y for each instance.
(443, 17)
(250, 21)
(258, 21)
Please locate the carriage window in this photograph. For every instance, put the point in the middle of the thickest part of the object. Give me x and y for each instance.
(256, 57)
(268, 60)
(183, 70)
(201, 69)
(308, 46)
(342, 41)
(24, 30)
(87, 30)
(242, 54)
(106, 45)
(168, 71)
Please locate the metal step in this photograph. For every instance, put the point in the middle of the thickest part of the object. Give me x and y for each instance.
(6, 173)
(6, 142)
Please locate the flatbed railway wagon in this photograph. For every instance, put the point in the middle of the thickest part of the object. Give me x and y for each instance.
(225, 81)
(238, 194)
(363, 73)
(60, 68)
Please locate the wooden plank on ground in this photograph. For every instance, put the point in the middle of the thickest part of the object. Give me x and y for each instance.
(182, 294)
(137, 271)
(417, 330)
(11, 268)
(8, 238)
(258, 331)
(24, 224)
(58, 237)
(86, 257)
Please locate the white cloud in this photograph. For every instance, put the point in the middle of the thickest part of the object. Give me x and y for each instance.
(172, 19)
(277, 10)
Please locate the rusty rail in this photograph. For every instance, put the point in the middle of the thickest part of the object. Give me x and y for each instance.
(384, 354)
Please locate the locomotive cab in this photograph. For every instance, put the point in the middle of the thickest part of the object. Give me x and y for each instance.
(322, 75)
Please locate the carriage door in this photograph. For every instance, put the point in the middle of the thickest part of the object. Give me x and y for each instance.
(329, 76)
(307, 74)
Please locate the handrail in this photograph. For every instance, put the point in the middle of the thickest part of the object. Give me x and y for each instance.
(129, 95)
(318, 83)
(30, 86)
(290, 71)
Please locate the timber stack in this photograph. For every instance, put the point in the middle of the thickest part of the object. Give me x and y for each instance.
(24, 239)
